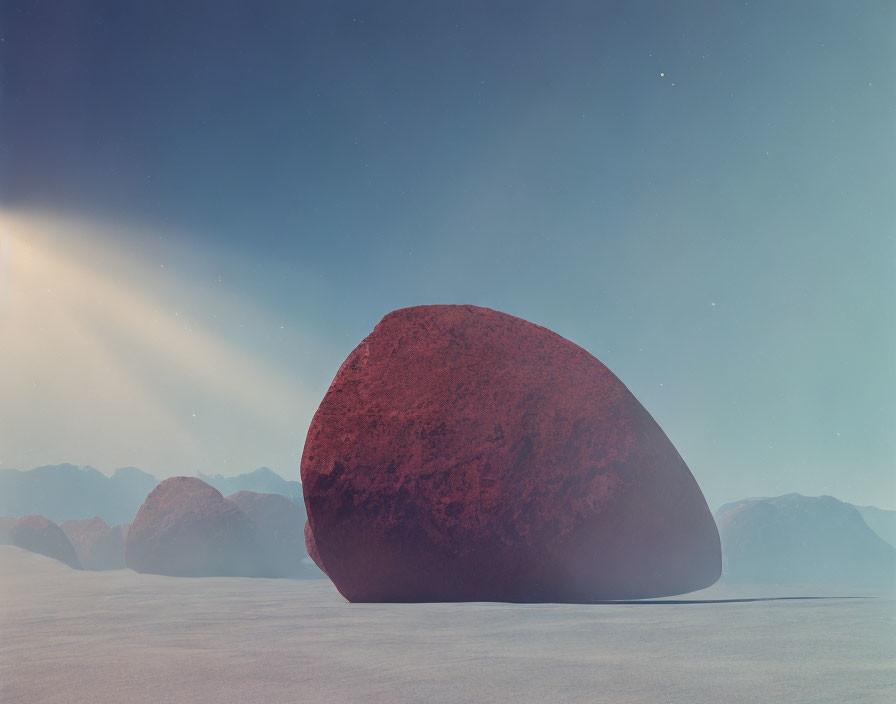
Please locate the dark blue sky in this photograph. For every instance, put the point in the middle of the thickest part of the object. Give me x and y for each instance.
(699, 193)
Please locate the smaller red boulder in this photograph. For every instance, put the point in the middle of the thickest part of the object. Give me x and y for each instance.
(185, 528)
(41, 535)
(278, 525)
(98, 546)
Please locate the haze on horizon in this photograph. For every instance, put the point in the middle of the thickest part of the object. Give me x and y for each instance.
(200, 219)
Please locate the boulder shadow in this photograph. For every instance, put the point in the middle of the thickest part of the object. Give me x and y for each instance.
(679, 602)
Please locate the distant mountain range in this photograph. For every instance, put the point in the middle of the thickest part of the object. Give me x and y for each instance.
(881, 521)
(801, 539)
(67, 492)
(784, 539)
(261, 481)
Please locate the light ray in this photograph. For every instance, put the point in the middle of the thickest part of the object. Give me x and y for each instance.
(101, 368)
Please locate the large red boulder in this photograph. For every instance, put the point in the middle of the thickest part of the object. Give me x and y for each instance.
(311, 547)
(41, 535)
(464, 454)
(98, 546)
(185, 528)
(280, 528)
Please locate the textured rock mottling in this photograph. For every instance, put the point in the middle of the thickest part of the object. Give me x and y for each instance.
(464, 454)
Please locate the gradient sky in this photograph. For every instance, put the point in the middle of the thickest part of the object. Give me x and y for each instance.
(205, 206)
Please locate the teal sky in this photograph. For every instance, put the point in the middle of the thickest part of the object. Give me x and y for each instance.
(698, 193)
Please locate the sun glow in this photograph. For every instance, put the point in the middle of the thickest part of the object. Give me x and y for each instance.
(89, 359)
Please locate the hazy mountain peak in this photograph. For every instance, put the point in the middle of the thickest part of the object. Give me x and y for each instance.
(122, 472)
(795, 538)
(67, 492)
(66, 468)
(881, 521)
(263, 480)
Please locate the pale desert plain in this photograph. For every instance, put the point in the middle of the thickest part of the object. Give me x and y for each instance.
(70, 637)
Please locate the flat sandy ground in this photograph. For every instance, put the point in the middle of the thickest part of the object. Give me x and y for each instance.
(96, 637)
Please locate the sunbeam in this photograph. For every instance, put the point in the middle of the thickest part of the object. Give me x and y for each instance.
(110, 366)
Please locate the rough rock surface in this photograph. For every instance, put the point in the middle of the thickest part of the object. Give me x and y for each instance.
(802, 539)
(98, 546)
(464, 454)
(279, 525)
(41, 535)
(185, 528)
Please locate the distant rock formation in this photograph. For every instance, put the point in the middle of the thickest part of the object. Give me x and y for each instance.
(279, 526)
(98, 546)
(881, 521)
(6, 525)
(65, 492)
(39, 534)
(261, 481)
(185, 528)
(802, 539)
(463, 454)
